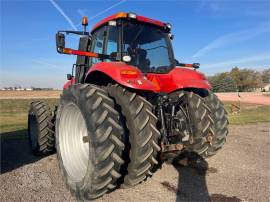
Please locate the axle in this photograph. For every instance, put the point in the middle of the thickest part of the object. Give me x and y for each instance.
(169, 126)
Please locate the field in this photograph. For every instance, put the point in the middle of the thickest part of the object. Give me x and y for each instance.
(239, 172)
(45, 94)
(13, 113)
(249, 113)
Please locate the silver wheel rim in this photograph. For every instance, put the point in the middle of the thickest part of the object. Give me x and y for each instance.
(74, 152)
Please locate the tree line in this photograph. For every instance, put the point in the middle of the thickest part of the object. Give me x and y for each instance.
(239, 80)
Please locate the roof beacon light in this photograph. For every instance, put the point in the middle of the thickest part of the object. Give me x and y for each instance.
(132, 15)
(84, 22)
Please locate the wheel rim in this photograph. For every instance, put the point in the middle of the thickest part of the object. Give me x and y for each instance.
(33, 127)
(74, 151)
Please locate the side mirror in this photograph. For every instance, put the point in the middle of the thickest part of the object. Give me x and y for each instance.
(60, 42)
(196, 65)
(69, 77)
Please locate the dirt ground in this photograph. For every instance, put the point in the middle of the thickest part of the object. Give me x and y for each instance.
(239, 172)
(246, 97)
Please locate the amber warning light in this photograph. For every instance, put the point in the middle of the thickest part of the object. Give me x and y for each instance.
(84, 22)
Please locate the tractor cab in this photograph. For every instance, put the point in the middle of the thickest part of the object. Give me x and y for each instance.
(139, 43)
(136, 40)
(124, 41)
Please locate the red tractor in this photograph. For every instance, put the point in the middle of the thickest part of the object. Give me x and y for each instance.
(129, 106)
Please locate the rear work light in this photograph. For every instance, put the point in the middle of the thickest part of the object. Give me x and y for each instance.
(112, 23)
(132, 15)
(194, 65)
(169, 26)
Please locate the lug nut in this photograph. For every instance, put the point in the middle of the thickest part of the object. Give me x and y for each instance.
(85, 139)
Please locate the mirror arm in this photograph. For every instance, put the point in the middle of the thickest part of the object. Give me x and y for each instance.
(194, 65)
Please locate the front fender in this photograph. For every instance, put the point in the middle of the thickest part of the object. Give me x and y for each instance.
(114, 69)
(69, 83)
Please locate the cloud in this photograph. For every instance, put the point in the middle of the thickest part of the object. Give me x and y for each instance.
(262, 60)
(60, 10)
(232, 38)
(107, 9)
(47, 64)
(40, 39)
(212, 5)
(82, 12)
(257, 13)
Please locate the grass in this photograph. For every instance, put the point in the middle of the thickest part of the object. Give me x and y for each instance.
(13, 113)
(250, 113)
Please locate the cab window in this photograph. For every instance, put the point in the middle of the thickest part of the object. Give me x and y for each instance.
(98, 44)
(112, 44)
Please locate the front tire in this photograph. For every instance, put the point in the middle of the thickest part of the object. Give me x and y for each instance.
(89, 141)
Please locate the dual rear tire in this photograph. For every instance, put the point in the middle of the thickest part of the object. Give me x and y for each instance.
(208, 122)
(89, 141)
(107, 137)
(143, 136)
(101, 145)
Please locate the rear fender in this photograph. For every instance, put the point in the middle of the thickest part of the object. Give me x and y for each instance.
(179, 78)
(114, 70)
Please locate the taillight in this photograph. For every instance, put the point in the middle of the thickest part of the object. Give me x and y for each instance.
(129, 73)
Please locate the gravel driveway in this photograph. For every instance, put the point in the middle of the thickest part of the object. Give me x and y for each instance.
(239, 172)
(246, 97)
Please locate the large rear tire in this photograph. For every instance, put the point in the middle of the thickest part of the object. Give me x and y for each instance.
(140, 123)
(41, 128)
(220, 124)
(88, 141)
(198, 120)
(208, 122)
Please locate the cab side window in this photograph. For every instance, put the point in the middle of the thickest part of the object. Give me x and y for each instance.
(113, 35)
(98, 44)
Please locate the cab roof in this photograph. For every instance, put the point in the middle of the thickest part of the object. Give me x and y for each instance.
(128, 16)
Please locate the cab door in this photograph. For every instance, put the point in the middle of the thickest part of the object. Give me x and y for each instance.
(82, 61)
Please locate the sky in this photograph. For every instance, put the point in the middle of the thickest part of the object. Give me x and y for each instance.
(217, 34)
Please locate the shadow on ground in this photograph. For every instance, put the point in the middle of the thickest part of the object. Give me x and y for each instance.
(15, 151)
(192, 186)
